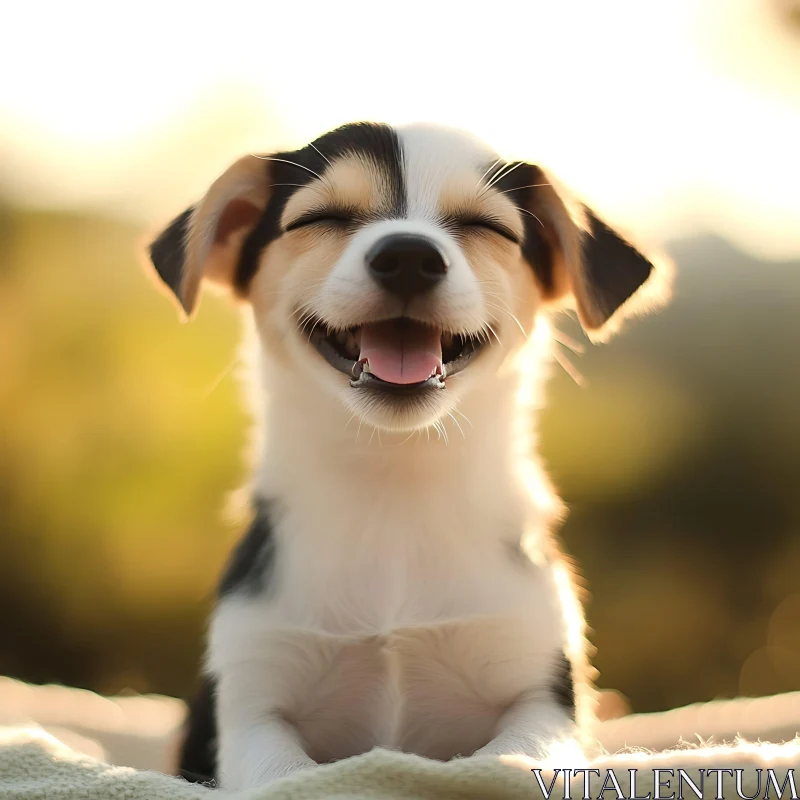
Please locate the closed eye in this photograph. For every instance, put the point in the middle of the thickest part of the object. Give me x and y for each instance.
(488, 224)
(332, 218)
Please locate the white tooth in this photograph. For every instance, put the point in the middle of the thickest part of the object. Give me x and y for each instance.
(365, 364)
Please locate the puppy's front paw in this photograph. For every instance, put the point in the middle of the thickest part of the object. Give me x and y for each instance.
(265, 773)
(286, 769)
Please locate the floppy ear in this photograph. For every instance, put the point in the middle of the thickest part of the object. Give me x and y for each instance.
(205, 241)
(587, 260)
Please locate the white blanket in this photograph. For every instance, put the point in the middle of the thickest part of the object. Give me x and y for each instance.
(57, 744)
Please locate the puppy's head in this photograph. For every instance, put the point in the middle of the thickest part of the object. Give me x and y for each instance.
(397, 267)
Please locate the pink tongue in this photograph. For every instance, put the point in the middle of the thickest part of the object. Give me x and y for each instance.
(401, 351)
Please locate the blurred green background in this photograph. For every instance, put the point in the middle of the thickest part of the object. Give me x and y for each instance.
(122, 432)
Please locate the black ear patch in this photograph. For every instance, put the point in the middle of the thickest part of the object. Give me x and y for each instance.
(168, 252)
(614, 268)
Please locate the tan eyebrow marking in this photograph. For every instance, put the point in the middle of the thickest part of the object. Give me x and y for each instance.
(461, 198)
(352, 182)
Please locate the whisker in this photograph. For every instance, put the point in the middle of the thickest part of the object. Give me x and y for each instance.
(569, 368)
(308, 336)
(400, 444)
(520, 188)
(292, 163)
(519, 324)
(305, 318)
(494, 333)
(504, 175)
(530, 214)
(304, 308)
(462, 414)
(492, 177)
(480, 180)
(567, 341)
(221, 377)
(311, 144)
(450, 414)
(318, 322)
(505, 310)
(303, 321)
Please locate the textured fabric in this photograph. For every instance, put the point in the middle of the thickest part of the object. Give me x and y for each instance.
(35, 766)
(57, 743)
(143, 731)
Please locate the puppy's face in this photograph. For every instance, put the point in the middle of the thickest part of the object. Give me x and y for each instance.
(396, 268)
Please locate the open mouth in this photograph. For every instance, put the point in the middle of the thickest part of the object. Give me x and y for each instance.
(400, 355)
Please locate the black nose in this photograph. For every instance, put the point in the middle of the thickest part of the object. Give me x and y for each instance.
(406, 264)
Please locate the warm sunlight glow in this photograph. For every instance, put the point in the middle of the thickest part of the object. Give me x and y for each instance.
(634, 104)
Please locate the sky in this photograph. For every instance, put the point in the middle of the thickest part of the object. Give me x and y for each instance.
(666, 117)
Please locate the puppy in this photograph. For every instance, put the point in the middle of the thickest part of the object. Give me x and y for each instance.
(398, 585)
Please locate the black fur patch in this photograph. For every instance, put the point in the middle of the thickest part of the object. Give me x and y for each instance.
(563, 686)
(198, 757)
(519, 185)
(615, 269)
(374, 141)
(168, 252)
(247, 572)
(251, 562)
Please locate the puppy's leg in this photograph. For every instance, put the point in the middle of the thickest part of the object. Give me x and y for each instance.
(256, 754)
(530, 727)
(257, 744)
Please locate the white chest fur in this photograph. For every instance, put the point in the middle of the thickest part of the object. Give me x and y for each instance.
(400, 610)
(392, 634)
